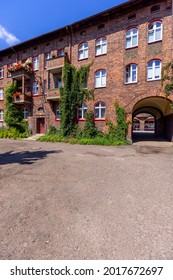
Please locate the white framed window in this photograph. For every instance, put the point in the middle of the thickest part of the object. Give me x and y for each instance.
(100, 78)
(60, 53)
(82, 111)
(99, 110)
(35, 88)
(57, 112)
(155, 31)
(1, 93)
(83, 51)
(35, 63)
(25, 113)
(101, 46)
(1, 115)
(154, 70)
(132, 38)
(1, 72)
(131, 73)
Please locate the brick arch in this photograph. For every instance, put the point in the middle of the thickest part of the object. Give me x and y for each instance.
(163, 122)
(131, 105)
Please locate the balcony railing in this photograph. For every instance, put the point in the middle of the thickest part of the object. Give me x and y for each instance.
(55, 63)
(53, 94)
(18, 74)
(21, 98)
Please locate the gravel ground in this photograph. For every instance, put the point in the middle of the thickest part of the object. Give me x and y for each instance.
(61, 201)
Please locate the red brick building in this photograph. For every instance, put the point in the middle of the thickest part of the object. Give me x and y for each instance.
(127, 45)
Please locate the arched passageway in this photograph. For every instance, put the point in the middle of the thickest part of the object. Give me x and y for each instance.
(144, 122)
(152, 119)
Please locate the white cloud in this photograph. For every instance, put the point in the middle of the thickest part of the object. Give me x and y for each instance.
(8, 37)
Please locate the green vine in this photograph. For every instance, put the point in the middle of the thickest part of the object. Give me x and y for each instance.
(73, 94)
(119, 130)
(167, 79)
(13, 114)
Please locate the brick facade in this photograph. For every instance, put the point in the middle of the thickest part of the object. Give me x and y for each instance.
(113, 25)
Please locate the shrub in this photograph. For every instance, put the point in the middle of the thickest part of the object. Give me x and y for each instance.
(90, 130)
(12, 132)
(89, 135)
(52, 130)
(18, 127)
(119, 130)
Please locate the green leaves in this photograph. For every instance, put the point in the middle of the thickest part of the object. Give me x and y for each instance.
(118, 131)
(73, 94)
(13, 114)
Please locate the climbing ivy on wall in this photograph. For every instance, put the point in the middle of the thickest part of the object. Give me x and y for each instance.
(119, 130)
(73, 94)
(167, 79)
(13, 114)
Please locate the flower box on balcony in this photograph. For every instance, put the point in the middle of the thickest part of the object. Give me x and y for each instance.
(20, 69)
(15, 94)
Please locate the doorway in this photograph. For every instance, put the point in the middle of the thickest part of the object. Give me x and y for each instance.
(41, 125)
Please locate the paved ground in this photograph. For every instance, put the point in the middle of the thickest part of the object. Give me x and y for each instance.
(60, 201)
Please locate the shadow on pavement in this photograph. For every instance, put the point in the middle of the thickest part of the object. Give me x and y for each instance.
(24, 157)
(147, 136)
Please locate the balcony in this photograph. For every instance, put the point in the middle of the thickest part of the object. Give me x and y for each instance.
(53, 94)
(17, 75)
(55, 64)
(21, 71)
(22, 98)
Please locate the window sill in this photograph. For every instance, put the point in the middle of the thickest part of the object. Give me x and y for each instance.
(99, 120)
(81, 120)
(100, 87)
(131, 48)
(102, 54)
(154, 42)
(153, 80)
(81, 59)
(131, 83)
(57, 120)
(35, 95)
(1, 100)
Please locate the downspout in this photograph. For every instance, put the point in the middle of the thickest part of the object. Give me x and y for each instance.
(68, 28)
(15, 54)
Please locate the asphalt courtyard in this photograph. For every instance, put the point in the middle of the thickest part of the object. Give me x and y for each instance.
(61, 201)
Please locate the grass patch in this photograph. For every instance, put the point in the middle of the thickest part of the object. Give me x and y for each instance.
(98, 140)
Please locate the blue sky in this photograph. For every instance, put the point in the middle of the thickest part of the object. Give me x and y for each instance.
(22, 20)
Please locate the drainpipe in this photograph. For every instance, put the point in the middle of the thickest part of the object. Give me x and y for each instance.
(69, 30)
(15, 54)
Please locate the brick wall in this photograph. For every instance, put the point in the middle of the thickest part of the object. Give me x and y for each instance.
(117, 57)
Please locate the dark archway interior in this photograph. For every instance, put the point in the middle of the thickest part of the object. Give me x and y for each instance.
(157, 112)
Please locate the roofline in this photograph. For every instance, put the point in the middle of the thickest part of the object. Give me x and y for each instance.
(45, 37)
